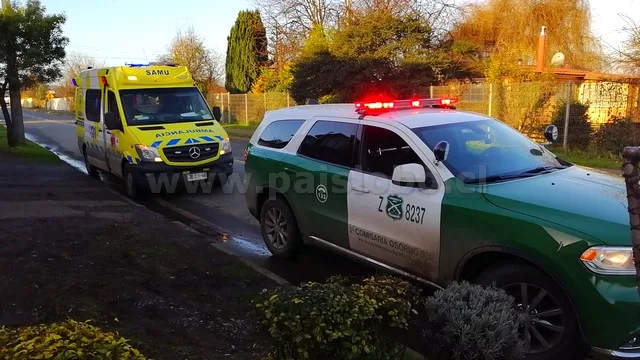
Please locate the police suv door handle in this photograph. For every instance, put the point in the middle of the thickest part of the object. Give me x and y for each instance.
(360, 189)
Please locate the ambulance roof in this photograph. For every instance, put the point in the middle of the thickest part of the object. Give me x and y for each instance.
(140, 76)
(411, 118)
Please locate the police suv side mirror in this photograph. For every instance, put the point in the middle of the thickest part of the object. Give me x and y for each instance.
(111, 121)
(412, 175)
(441, 151)
(551, 133)
(217, 113)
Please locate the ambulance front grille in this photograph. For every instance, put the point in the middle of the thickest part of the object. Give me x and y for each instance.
(186, 153)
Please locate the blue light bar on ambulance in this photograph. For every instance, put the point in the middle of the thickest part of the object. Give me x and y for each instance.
(383, 106)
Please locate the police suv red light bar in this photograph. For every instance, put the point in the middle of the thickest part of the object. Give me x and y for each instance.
(406, 104)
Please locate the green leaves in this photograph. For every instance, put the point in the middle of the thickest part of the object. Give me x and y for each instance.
(246, 52)
(69, 340)
(341, 319)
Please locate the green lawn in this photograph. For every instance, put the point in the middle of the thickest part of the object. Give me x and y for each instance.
(589, 158)
(240, 130)
(29, 152)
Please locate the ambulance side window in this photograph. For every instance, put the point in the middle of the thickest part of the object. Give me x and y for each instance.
(383, 150)
(92, 105)
(113, 104)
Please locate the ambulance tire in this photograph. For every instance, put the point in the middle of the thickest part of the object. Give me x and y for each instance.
(511, 277)
(131, 186)
(279, 228)
(91, 170)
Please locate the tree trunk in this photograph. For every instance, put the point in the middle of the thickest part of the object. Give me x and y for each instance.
(15, 132)
(3, 104)
(631, 173)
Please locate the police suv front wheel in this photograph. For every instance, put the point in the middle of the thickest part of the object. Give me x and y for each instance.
(279, 228)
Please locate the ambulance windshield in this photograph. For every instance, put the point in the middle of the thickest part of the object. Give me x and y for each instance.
(161, 106)
(489, 150)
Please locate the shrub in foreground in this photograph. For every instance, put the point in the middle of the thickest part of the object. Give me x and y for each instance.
(337, 320)
(69, 340)
(466, 321)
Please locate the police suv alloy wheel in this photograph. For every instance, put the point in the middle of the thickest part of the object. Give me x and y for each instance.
(279, 228)
(547, 324)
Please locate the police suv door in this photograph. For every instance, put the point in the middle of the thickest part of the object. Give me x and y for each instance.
(397, 225)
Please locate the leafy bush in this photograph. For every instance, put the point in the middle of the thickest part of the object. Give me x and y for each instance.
(580, 131)
(617, 133)
(466, 321)
(69, 340)
(339, 319)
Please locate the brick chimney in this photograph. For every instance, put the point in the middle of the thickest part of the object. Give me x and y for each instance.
(542, 50)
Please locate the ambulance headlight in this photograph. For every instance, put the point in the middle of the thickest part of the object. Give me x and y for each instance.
(225, 146)
(148, 153)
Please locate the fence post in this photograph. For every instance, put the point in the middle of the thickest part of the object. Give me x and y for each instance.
(566, 116)
(490, 98)
(221, 107)
(246, 109)
(287, 94)
(229, 106)
(431, 91)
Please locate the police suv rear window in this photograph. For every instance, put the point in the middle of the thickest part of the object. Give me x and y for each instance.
(330, 141)
(279, 133)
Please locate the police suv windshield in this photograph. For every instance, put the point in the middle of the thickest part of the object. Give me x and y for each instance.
(161, 106)
(489, 150)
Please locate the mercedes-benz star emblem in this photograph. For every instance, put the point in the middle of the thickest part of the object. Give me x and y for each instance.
(194, 152)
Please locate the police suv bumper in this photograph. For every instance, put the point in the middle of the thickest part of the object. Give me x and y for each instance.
(146, 173)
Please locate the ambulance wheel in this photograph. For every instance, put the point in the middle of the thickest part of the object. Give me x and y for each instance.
(91, 170)
(131, 185)
(547, 323)
(279, 228)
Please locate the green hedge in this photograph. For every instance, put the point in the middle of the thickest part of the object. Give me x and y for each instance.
(347, 319)
(69, 340)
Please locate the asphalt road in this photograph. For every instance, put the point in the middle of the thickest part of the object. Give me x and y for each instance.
(224, 207)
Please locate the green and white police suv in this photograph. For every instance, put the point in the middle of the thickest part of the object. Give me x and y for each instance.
(435, 194)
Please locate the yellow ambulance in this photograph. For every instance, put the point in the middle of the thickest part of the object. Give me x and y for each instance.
(144, 121)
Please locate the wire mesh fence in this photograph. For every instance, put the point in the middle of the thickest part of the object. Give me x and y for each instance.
(591, 115)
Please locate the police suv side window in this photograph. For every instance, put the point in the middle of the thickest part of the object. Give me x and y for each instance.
(92, 105)
(383, 150)
(278, 134)
(330, 141)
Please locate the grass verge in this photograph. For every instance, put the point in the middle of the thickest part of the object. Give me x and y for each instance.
(30, 151)
(240, 130)
(61, 112)
(589, 158)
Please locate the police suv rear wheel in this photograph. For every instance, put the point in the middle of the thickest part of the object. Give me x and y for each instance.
(279, 228)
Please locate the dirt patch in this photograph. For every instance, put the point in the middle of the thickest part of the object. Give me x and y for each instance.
(163, 287)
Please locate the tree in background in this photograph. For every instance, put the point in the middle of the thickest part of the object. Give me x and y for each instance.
(31, 50)
(246, 52)
(205, 65)
(379, 51)
(73, 64)
(505, 33)
(629, 55)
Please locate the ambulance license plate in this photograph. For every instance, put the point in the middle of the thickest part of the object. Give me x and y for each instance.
(196, 176)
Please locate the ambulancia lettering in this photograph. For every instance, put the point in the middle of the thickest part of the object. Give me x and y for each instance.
(157, 72)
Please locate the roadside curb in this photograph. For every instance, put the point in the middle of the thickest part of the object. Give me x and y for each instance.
(207, 224)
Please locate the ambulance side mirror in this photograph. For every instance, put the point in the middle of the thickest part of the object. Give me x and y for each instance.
(111, 121)
(412, 175)
(217, 113)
